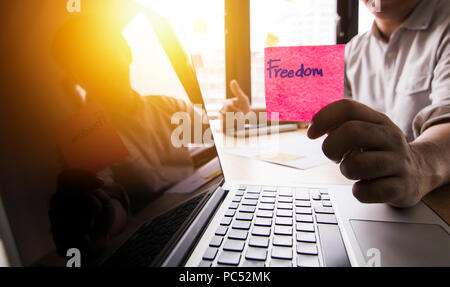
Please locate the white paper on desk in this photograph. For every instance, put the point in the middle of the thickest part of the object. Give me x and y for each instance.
(301, 154)
(200, 177)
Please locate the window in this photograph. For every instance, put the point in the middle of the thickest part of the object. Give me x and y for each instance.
(365, 19)
(287, 23)
(201, 26)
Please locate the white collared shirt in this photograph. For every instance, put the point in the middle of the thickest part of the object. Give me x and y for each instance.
(407, 78)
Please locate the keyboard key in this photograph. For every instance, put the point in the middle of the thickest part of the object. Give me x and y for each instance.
(244, 216)
(326, 203)
(238, 234)
(216, 241)
(285, 191)
(226, 221)
(283, 221)
(281, 252)
(332, 246)
(251, 196)
(210, 253)
(258, 241)
(303, 210)
(324, 210)
(242, 187)
(307, 248)
(247, 208)
(267, 200)
(284, 213)
(253, 189)
(256, 254)
(282, 230)
(229, 258)
(261, 231)
(252, 202)
(316, 195)
(302, 194)
(282, 241)
(234, 205)
(325, 197)
(264, 213)
(320, 190)
(253, 263)
(308, 261)
(300, 203)
(284, 206)
(260, 221)
(326, 218)
(240, 224)
(237, 199)
(221, 230)
(304, 218)
(204, 263)
(269, 194)
(280, 263)
(269, 188)
(239, 193)
(285, 199)
(306, 227)
(266, 206)
(234, 245)
(306, 237)
(230, 212)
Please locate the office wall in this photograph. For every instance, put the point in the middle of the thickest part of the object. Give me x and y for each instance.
(32, 103)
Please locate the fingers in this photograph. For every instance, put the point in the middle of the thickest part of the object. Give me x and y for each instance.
(337, 113)
(359, 135)
(370, 165)
(378, 190)
(236, 90)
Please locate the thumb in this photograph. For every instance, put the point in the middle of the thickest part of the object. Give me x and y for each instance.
(237, 91)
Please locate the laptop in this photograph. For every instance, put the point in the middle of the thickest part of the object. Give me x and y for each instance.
(202, 218)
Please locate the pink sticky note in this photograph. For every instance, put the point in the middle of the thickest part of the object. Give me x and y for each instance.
(88, 140)
(300, 81)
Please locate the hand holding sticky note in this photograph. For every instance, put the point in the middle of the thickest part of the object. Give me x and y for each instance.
(89, 141)
(299, 81)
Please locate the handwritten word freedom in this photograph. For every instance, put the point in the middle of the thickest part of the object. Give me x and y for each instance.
(285, 73)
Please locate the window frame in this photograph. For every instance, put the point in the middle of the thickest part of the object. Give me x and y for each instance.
(237, 38)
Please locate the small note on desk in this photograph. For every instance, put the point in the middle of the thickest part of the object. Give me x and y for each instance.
(88, 140)
(299, 81)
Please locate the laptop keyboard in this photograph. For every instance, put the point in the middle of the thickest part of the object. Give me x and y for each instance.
(146, 243)
(273, 226)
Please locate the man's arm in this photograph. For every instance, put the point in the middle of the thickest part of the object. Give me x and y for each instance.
(433, 151)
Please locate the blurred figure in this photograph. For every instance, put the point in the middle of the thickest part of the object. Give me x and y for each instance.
(89, 208)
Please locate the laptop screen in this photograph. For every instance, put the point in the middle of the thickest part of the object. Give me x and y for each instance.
(83, 153)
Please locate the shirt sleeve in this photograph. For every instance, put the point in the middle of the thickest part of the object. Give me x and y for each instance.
(439, 110)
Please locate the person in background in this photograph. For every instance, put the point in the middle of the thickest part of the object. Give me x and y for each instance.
(392, 133)
(89, 208)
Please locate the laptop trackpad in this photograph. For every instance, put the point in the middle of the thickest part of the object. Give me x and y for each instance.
(403, 244)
